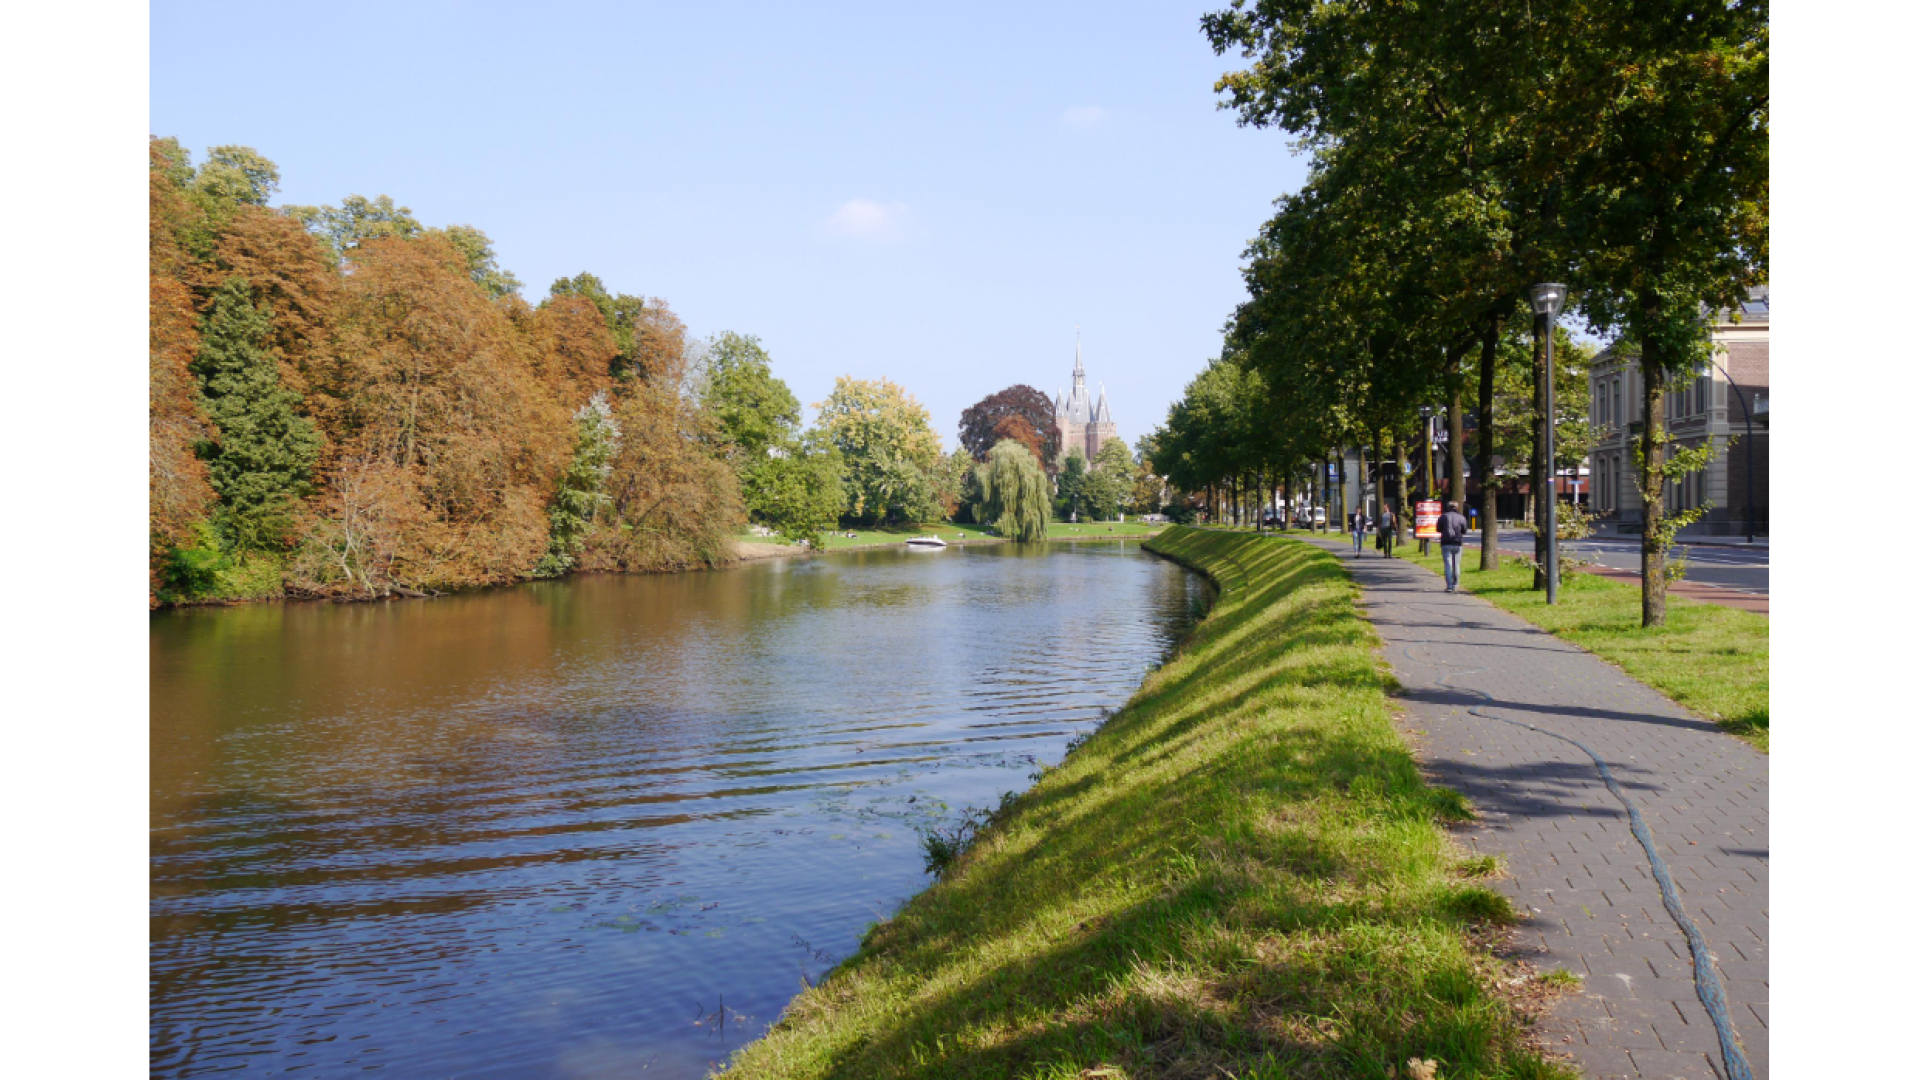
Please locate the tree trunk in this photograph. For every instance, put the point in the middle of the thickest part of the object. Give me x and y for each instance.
(1653, 489)
(1489, 504)
(1345, 513)
(1456, 434)
(1326, 503)
(1539, 473)
(1286, 499)
(1379, 478)
(1400, 528)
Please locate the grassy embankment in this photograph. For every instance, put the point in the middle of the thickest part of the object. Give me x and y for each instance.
(1708, 658)
(1240, 874)
(883, 535)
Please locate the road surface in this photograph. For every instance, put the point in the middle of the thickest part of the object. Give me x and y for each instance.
(1741, 568)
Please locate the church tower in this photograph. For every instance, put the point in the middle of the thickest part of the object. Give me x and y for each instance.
(1082, 423)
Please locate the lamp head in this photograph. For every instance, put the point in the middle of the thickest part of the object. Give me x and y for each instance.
(1548, 299)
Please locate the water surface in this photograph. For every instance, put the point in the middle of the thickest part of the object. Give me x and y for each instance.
(601, 827)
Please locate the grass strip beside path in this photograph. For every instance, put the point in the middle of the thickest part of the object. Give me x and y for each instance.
(1242, 873)
(1709, 658)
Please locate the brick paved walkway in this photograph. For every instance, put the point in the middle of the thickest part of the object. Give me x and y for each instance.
(1577, 874)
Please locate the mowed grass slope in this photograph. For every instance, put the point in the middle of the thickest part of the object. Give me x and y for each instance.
(1711, 659)
(1241, 874)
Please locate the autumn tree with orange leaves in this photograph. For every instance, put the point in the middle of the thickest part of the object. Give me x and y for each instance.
(409, 419)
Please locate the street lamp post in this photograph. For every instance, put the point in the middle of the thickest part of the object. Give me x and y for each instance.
(1548, 299)
(1426, 461)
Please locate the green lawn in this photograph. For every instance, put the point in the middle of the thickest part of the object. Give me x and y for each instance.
(881, 535)
(1240, 874)
(1060, 530)
(1711, 659)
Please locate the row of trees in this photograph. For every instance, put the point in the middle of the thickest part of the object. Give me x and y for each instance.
(344, 402)
(1463, 152)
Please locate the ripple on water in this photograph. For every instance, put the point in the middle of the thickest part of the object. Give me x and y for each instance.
(546, 831)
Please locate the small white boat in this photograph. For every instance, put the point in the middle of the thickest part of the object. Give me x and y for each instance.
(926, 542)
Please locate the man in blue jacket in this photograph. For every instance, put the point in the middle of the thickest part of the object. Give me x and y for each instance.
(1453, 533)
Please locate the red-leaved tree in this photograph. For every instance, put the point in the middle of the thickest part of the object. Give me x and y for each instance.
(991, 419)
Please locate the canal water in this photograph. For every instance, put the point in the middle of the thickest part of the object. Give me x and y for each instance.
(594, 828)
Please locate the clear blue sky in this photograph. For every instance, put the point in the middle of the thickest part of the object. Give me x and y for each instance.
(871, 189)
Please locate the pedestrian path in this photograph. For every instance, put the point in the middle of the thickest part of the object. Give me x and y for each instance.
(1514, 719)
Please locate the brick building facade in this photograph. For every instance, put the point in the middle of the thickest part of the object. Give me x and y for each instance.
(1713, 403)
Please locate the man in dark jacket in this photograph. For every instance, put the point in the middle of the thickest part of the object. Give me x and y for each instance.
(1453, 533)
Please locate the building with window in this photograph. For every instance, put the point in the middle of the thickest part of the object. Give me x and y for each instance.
(1714, 404)
(1083, 424)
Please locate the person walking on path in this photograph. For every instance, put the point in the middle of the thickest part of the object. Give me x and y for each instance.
(1453, 533)
(1384, 532)
(1359, 530)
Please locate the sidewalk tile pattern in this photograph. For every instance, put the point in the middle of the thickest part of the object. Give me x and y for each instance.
(1576, 874)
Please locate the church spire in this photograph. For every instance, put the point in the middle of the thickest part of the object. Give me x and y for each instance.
(1078, 371)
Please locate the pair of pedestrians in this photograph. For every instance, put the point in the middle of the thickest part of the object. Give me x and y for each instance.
(1453, 533)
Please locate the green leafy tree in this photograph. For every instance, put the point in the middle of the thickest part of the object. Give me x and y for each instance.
(890, 451)
(232, 178)
(791, 483)
(1148, 484)
(955, 485)
(796, 489)
(237, 175)
(262, 461)
(482, 263)
(1109, 485)
(356, 220)
(1013, 492)
(1070, 490)
(582, 494)
(752, 410)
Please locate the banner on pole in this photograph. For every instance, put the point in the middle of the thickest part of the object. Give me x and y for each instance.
(1426, 519)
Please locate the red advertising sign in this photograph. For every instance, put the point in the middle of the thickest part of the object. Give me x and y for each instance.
(1426, 520)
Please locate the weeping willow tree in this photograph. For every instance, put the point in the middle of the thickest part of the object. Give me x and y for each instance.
(1013, 492)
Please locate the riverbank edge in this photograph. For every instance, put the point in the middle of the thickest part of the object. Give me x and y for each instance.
(743, 552)
(1241, 869)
